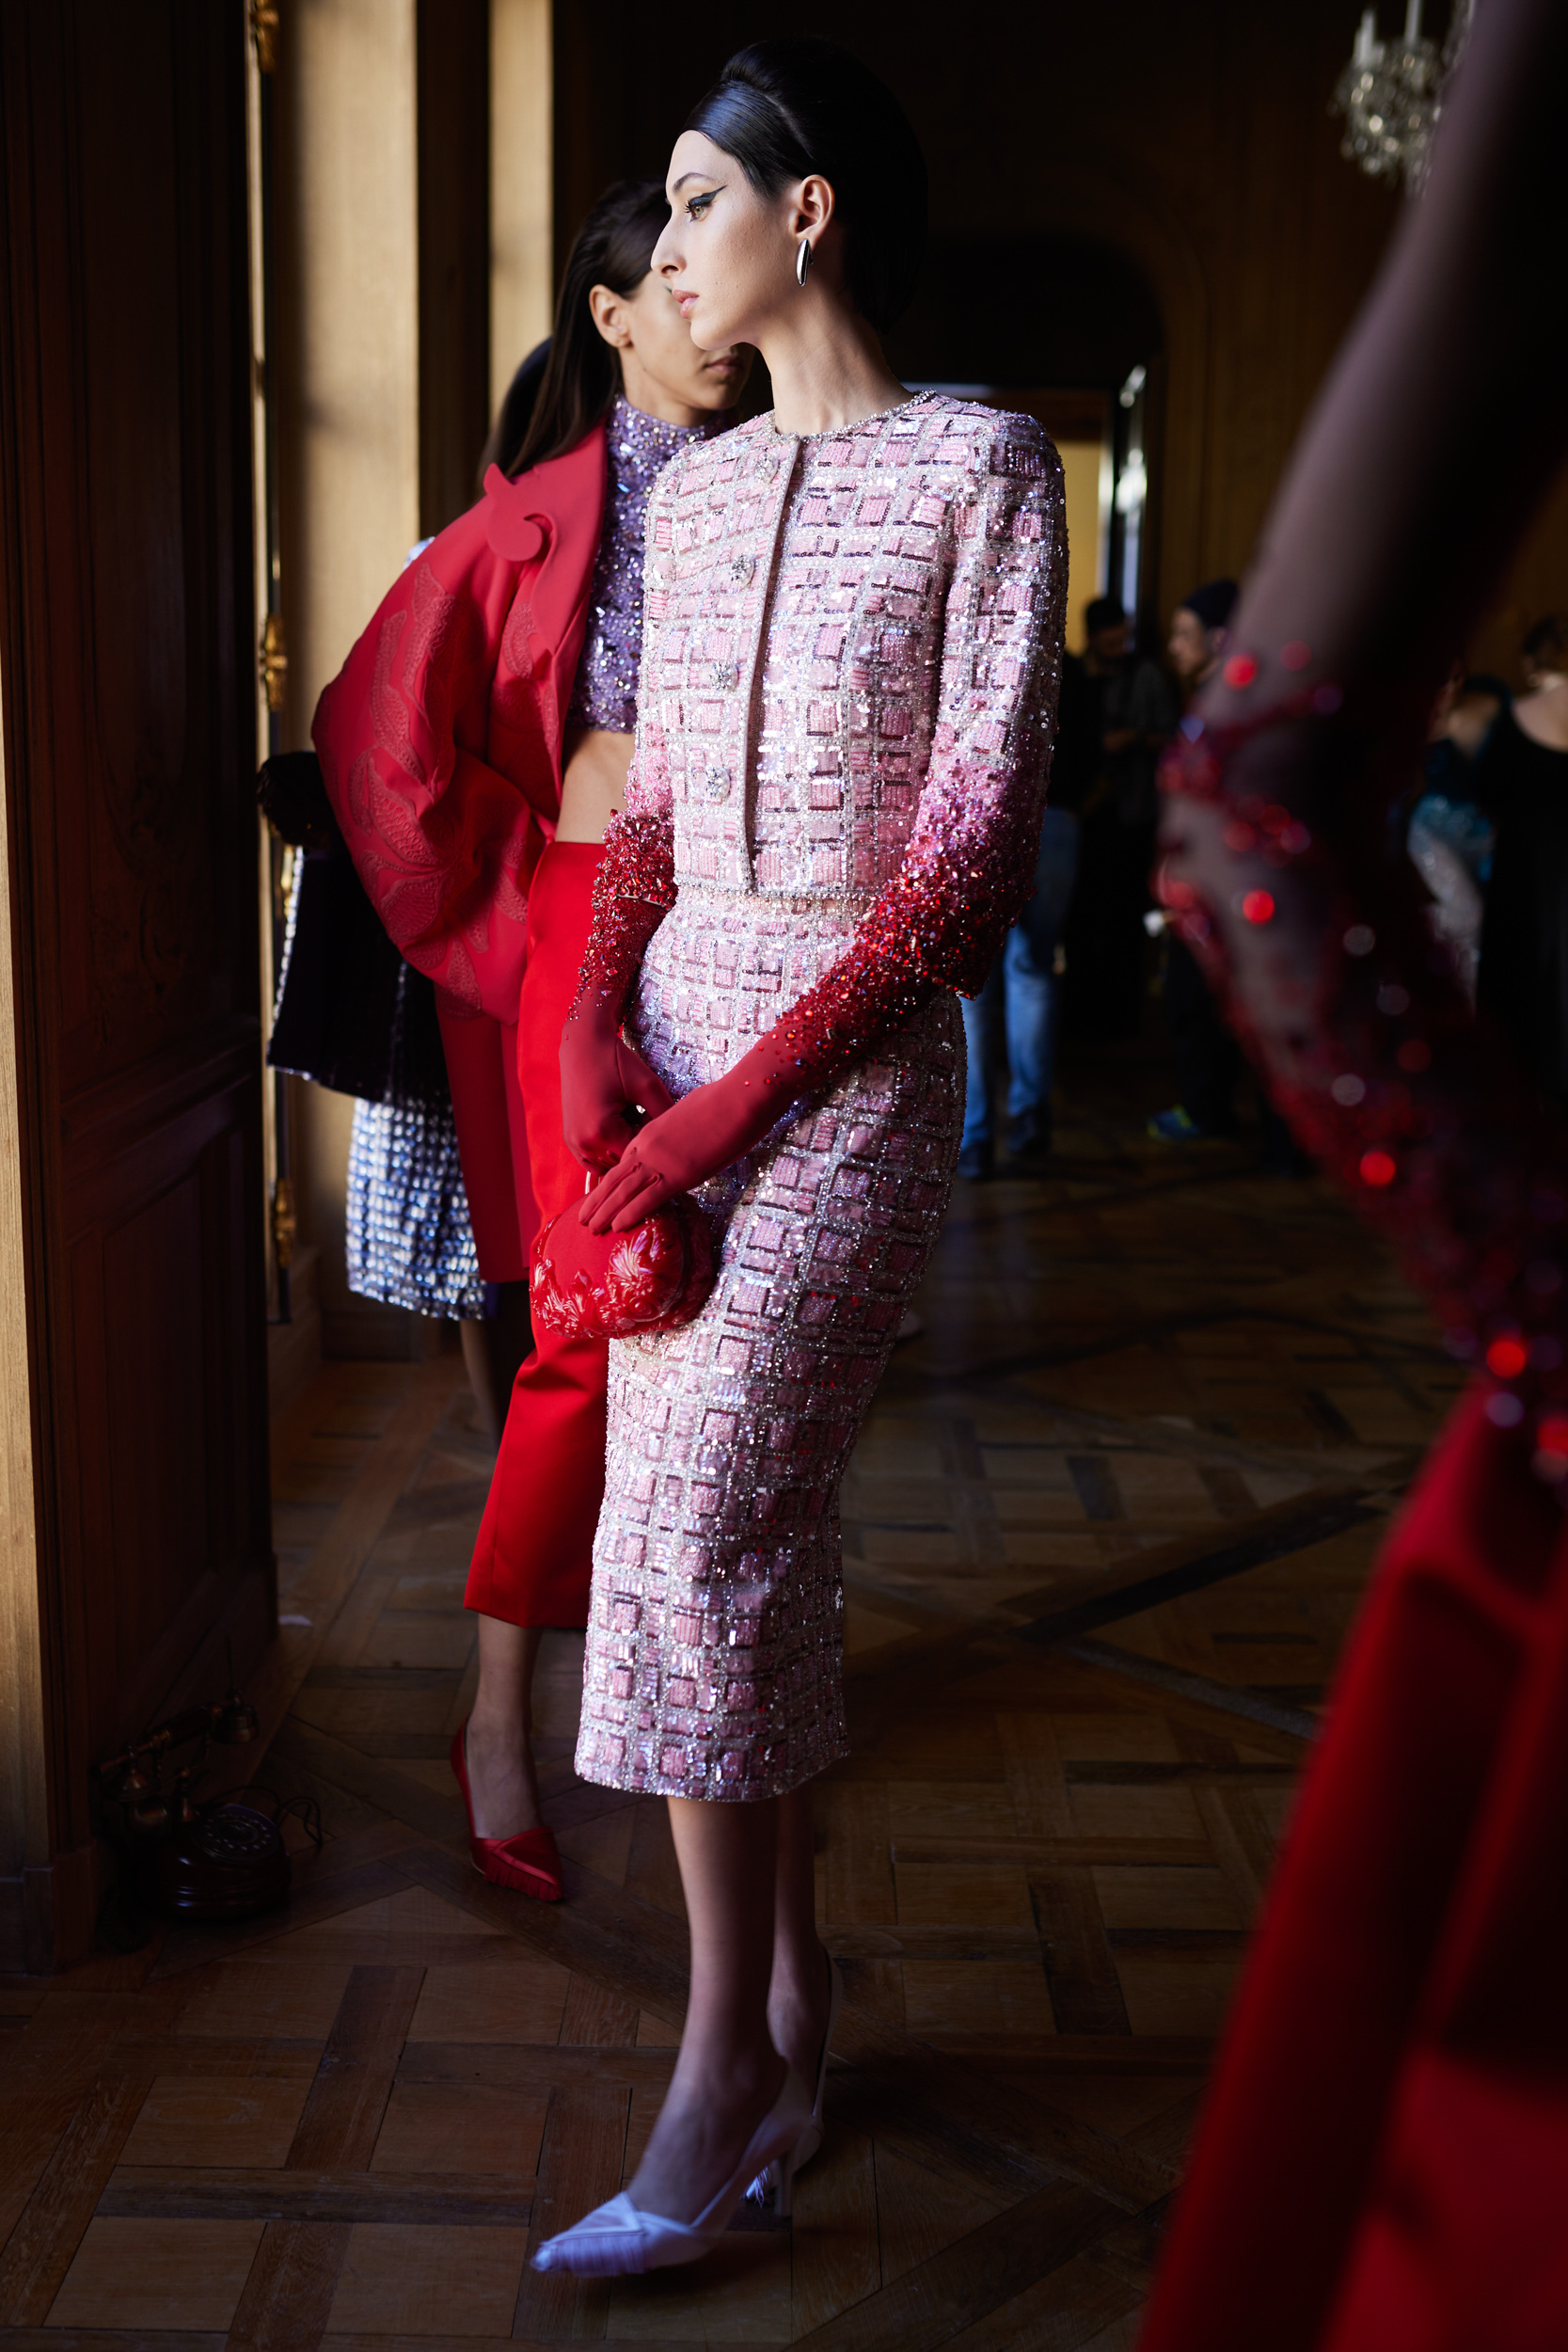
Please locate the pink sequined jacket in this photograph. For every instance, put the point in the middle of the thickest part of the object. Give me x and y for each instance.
(908, 723)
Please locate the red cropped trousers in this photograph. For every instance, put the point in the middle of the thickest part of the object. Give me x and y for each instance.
(535, 1552)
(492, 1138)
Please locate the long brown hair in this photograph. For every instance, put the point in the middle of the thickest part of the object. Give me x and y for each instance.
(576, 387)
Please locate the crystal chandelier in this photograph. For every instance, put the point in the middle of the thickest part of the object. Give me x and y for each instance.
(1391, 94)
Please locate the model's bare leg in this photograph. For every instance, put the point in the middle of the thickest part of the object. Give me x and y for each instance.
(499, 1757)
(728, 2072)
(494, 1347)
(797, 1995)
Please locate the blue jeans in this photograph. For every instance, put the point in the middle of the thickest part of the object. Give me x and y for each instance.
(1023, 980)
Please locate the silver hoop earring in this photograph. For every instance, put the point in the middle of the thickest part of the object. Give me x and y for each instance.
(802, 260)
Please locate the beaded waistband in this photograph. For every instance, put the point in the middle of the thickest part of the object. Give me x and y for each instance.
(852, 907)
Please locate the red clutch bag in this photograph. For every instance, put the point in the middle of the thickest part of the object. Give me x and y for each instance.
(610, 1286)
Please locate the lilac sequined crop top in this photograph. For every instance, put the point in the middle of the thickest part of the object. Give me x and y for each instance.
(637, 449)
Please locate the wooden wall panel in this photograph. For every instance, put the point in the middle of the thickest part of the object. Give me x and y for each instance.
(452, 70)
(126, 651)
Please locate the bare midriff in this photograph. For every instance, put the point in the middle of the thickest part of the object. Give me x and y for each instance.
(594, 783)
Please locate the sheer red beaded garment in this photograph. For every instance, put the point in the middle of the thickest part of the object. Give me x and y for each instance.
(1276, 873)
(1385, 2135)
(850, 660)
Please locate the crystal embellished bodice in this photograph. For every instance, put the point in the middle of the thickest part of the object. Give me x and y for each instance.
(637, 449)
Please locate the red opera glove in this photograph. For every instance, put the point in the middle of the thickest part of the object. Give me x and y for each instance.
(602, 1077)
(691, 1141)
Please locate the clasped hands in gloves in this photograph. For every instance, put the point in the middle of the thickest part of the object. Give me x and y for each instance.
(682, 1144)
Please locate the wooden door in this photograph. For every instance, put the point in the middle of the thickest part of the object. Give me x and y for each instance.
(126, 666)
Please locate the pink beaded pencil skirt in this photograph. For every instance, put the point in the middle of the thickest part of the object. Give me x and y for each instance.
(715, 1634)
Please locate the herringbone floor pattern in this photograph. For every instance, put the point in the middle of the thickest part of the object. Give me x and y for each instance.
(1103, 1535)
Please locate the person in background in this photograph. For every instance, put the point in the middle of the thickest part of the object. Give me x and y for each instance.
(475, 746)
(1207, 1060)
(1543, 653)
(352, 1016)
(1450, 832)
(1384, 2141)
(1199, 631)
(1021, 988)
(1118, 711)
(1523, 979)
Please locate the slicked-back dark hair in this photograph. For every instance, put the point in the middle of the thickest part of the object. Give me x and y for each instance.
(582, 373)
(784, 109)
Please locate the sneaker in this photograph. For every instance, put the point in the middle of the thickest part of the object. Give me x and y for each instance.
(975, 1163)
(1175, 1126)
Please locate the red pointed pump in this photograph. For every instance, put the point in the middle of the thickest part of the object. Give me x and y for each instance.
(529, 1863)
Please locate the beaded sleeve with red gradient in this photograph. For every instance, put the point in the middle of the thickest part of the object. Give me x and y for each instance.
(939, 924)
(633, 892)
(969, 868)
(1316, 940)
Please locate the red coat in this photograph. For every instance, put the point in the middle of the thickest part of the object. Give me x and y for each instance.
(440, 737)
(440, 741)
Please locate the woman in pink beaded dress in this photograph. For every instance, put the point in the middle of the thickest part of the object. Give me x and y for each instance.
(852, 640)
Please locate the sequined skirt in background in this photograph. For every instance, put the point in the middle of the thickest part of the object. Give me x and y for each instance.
(409, 1240)
(714, 1664)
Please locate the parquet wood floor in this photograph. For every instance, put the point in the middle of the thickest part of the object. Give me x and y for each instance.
(1110, 1517)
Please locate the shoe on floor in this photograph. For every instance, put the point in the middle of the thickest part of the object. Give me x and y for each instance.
(527, 1862)
(619, 2238)
(975, 1163)
(1029, 1139)
(1175, 1126)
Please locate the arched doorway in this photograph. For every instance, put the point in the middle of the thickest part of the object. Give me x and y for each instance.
(1068, 329)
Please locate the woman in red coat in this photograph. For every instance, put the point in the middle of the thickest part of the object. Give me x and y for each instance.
(475, 745)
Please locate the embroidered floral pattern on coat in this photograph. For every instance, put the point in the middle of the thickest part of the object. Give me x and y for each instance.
(599, 1286)
(850, 660)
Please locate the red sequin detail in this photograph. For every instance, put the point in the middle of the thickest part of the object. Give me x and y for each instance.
(1258, 906)
(633, 892)
(635, 887)
(1367, 1041)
